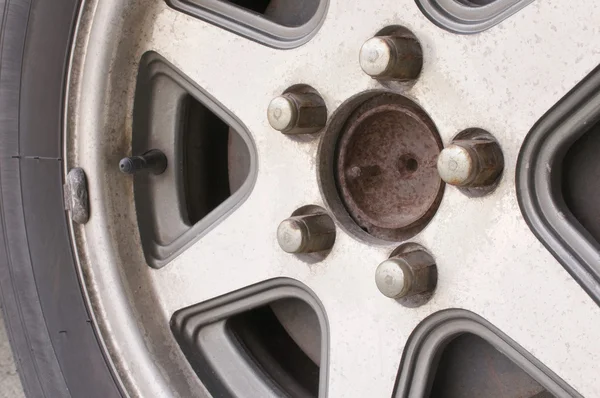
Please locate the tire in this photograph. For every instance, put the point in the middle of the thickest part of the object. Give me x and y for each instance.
(54, 343)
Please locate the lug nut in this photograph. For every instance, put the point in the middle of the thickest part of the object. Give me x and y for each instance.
(471, 163)
(406, 275)
(391, 58)
(297, 112)
(153, 161)
(306, 234)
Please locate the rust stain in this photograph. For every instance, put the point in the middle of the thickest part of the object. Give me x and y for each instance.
(386, 166)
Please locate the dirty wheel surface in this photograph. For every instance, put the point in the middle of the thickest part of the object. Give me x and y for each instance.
(314, 199)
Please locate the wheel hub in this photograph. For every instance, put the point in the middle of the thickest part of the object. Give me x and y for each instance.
(386, 167)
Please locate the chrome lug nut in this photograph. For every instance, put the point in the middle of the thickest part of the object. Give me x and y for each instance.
(406, 275)
(297, 112)
(282, 113)
(391, 58)
(471, 163)
(306, 234)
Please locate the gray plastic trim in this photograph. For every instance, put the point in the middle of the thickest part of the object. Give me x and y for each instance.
(465, 18)
(151, 129)
(538, 180)
(221, 366)
(430, 337)
(252, 25)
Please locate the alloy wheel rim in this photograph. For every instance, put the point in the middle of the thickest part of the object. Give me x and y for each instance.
(489, 262)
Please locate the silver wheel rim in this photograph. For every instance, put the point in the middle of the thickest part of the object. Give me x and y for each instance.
(489, 262)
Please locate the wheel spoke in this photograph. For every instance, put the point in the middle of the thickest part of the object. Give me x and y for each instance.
(242, 249)
(523, 291)
(367, 331)
(243, 75)
(229, 67)
(506, 78)
(488, 259)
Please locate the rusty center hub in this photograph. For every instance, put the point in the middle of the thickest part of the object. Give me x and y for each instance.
(386, 167)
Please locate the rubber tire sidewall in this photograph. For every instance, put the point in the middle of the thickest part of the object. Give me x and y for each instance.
(54, 341)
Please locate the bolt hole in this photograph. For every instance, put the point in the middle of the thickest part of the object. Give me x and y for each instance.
(411, 164)
(407, 164)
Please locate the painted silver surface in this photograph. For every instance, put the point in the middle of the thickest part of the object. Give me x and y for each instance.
(395, 55)
(375, 56)
(306, 234)
(292, 236)
(300, 110)
(488, 261)
(455, 165)
(392, 278)
(282, 113)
